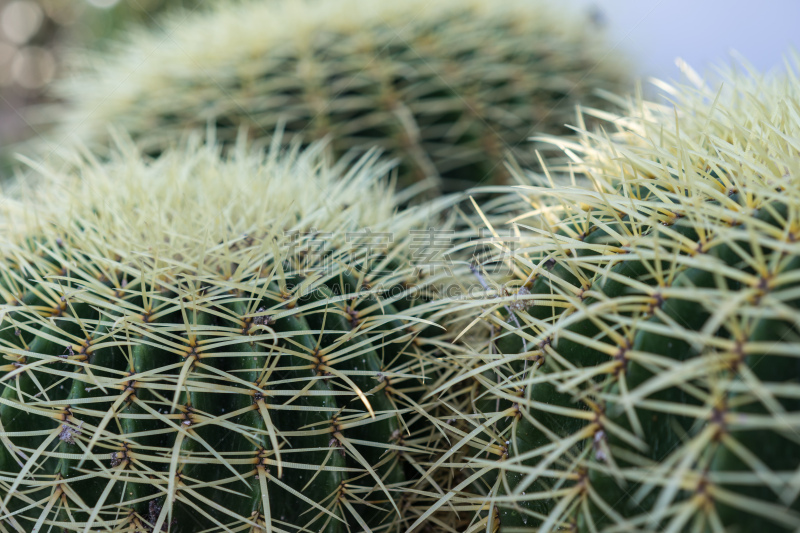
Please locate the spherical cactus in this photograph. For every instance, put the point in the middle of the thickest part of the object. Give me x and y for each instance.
(642, 369)
(202, 343)
(449, 87)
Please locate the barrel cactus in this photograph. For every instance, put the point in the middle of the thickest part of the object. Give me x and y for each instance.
(642, 367)
(449, 87)
(198, 342)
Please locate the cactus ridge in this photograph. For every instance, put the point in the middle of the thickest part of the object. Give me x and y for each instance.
(175, 360)
(653, 382)
(448, 87)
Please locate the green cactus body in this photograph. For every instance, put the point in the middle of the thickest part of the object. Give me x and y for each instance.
(448, 87)
(177, 360)
(646, 374)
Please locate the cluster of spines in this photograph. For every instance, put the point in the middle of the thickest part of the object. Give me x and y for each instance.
(168, 385)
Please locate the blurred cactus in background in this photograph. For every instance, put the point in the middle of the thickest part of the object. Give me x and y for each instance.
(450, 87)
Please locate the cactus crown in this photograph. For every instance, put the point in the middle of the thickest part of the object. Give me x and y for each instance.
(181, 354)
(652, 384)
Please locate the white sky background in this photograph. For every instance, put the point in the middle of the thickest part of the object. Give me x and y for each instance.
(702, 32)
